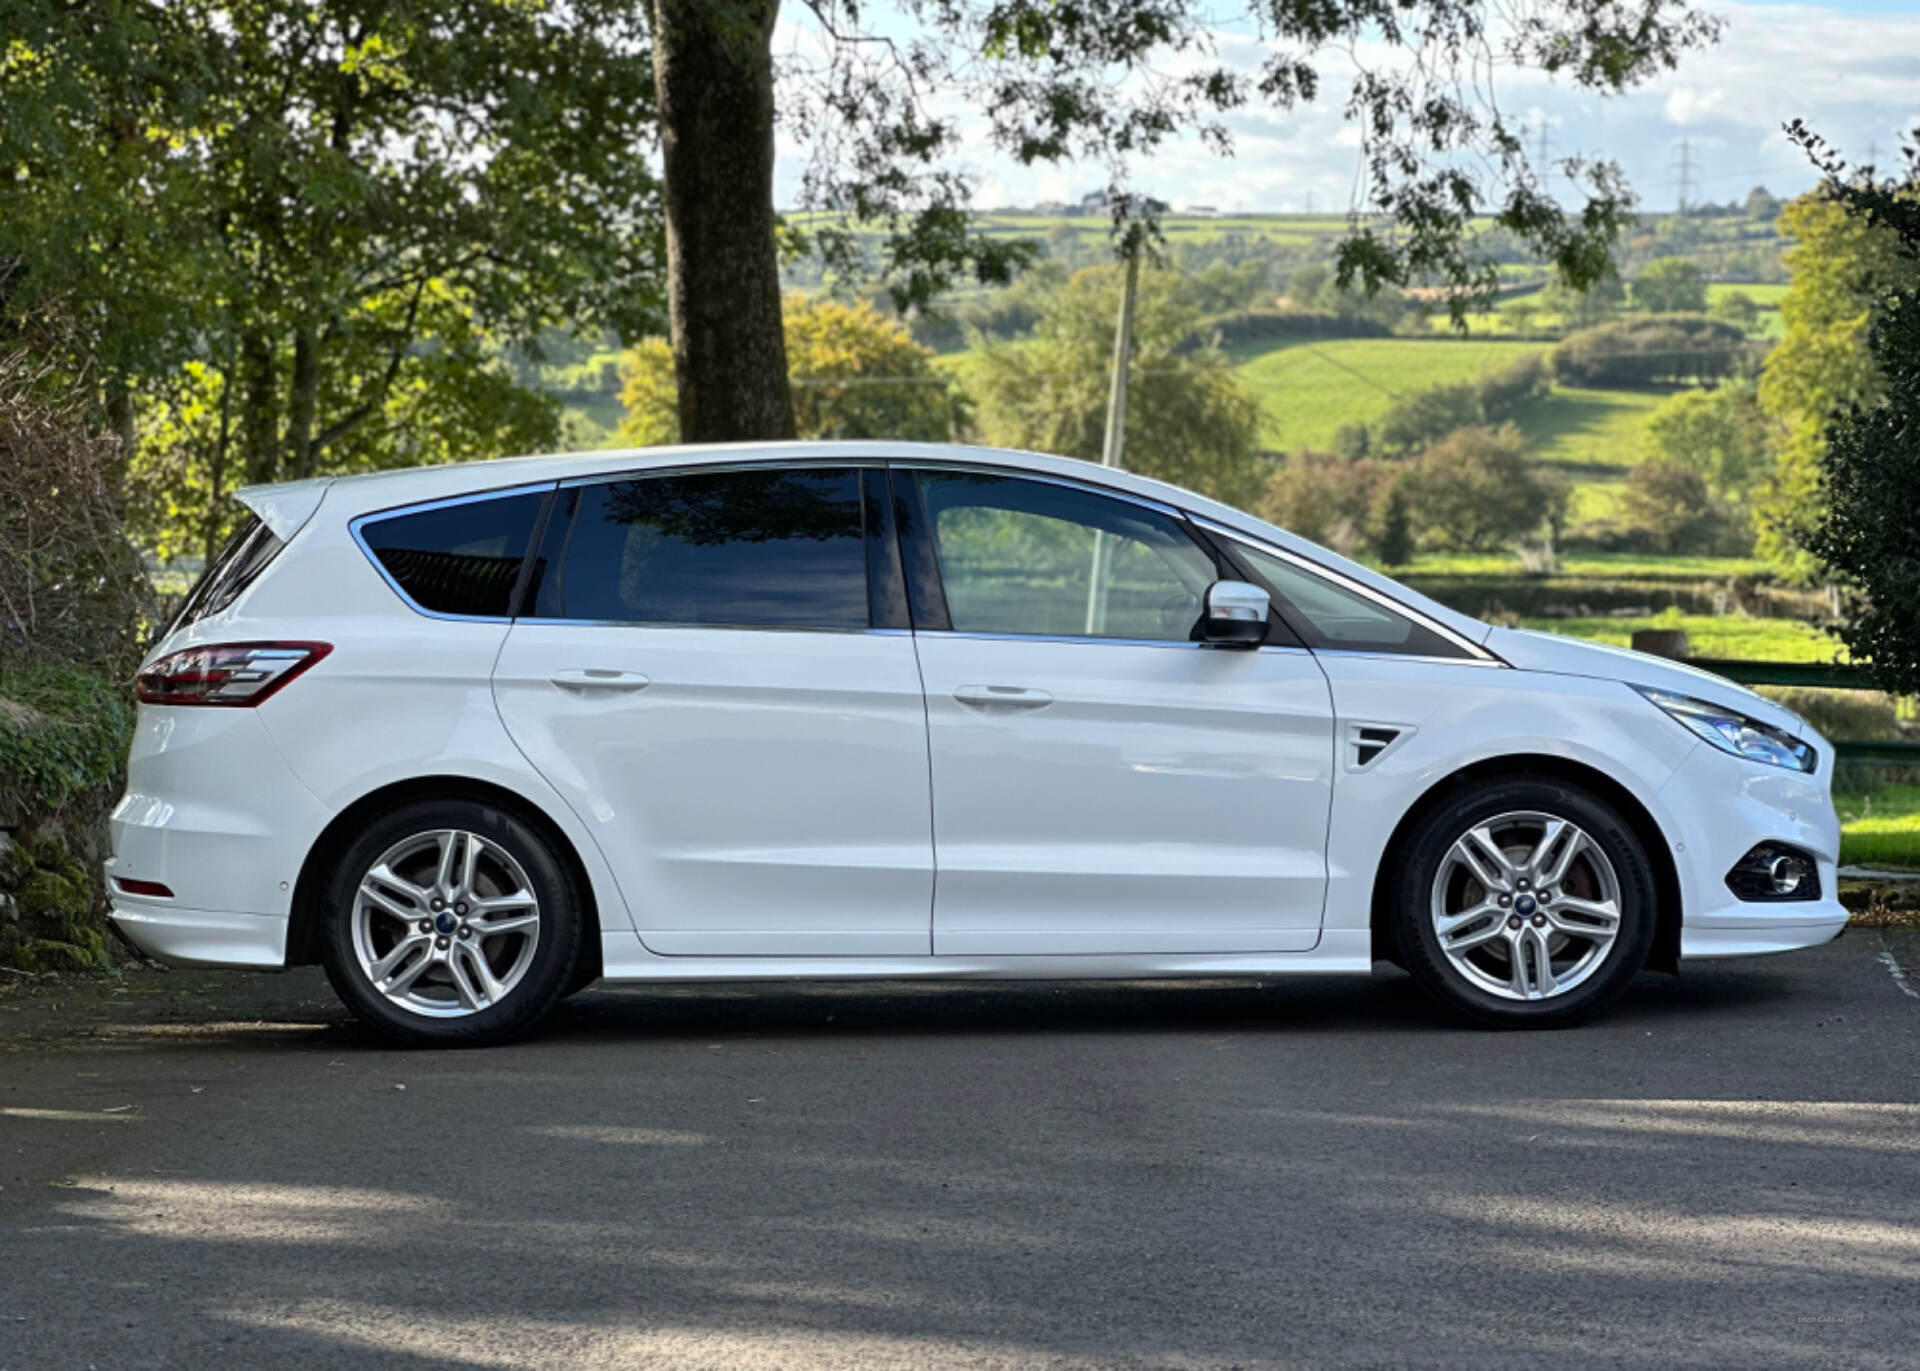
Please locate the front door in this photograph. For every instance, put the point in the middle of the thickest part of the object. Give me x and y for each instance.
(1101, 782)
(707, 680)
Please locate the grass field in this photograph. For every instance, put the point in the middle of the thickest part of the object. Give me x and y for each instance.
(1308, 390)
(1726, 635)
(1604, 566)
(1880, 828)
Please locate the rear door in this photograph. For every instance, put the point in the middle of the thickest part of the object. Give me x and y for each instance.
(1102, 783)
(715, 670)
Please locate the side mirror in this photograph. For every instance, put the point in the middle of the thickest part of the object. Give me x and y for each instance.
(1234, 615)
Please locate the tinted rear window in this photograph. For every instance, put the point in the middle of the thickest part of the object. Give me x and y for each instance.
(745, 549)
(458, 559)
(240, 562)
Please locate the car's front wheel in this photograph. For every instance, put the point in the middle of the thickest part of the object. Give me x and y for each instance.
(1525, 902)
(451, 923)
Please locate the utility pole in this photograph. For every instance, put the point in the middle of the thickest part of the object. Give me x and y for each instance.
(1686, 173)
(1113, 448)
(1544, 131)
(1113, 445)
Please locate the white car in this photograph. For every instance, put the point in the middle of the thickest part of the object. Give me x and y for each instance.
(475, 736)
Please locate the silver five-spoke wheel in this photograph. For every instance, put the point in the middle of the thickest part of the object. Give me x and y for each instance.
(1526, 906)
(445, 923)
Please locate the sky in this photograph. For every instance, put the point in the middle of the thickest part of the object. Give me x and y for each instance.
(1851, 69)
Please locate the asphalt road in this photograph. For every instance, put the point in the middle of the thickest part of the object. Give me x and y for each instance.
(211, 1172)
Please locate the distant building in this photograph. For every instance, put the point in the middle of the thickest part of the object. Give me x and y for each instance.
(1201, 211)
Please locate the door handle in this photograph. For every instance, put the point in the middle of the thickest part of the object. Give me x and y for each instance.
(1012, 698)
(596, 678)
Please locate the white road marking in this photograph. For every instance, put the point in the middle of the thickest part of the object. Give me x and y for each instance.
(1895, 970)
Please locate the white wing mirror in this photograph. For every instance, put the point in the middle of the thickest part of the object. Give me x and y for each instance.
(1235, 615)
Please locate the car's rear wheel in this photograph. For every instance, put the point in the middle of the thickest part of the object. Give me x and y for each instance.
(1525, 902)
(451, 922)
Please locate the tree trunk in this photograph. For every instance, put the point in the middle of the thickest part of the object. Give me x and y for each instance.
(713, 65)
(305, 398)
(259, 419)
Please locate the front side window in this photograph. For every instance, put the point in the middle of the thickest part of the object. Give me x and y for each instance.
(772, 548)
(1035, 558)
(1331, 617)
(460, 559)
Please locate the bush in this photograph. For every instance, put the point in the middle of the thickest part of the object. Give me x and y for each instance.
(1285, 325)
(1325, 498)
(1670, 503)
(1476, 490)
(72, 590)
(1667, 349)
(1503, 392)
(1426, 416)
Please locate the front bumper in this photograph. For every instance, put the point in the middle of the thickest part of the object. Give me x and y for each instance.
(1717, 808)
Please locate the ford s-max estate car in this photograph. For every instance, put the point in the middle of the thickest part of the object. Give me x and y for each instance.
(473, 737)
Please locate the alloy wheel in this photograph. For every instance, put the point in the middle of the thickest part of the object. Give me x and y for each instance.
(445, 923)
(1526, 905)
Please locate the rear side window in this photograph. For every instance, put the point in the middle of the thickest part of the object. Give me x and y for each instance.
(460, 559)
(240, 562)
(779, 548)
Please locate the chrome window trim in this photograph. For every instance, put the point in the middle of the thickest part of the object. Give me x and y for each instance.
(657, 624)
(1043, 478)
(824, 462)
(358, 523)
(1479, 654)
(974, 635)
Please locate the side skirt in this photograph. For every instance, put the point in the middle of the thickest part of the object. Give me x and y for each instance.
(1340, 951)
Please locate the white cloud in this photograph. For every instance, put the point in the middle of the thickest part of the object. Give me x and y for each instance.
(1850, 75)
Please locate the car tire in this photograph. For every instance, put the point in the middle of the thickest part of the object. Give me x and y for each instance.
(491, 932)
(1501, 901)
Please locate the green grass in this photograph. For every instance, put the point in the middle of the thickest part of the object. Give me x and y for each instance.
(1308, 390)
(1605, 566)
(1881, 827)
(1738, 636)
(1572, 427)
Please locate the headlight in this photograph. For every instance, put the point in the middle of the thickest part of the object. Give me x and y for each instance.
(1731, 731)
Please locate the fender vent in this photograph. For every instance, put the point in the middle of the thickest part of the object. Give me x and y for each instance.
(1366, 743)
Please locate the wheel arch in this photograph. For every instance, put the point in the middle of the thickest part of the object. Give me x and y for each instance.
(1669, 907)
(305, 918)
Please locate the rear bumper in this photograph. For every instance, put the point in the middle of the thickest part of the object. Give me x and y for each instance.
(213, 814)
(202, 937)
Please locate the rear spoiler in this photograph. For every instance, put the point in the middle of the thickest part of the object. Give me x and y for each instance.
(285, 507)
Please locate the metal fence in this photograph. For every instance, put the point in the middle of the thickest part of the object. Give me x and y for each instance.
(1820, 677)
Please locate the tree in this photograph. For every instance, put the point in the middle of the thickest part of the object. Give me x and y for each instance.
(1722, 434)
(1325, 498)
(1670, 504)
(1868, 529)
(1584, 306)
(856, 374)
(1428, 415)
(874, 105)
(1762, 205)
(338, 212)
(1671, 285)
(1188, 420)
(1475, 490)
(1843, 266)
(1738, 308)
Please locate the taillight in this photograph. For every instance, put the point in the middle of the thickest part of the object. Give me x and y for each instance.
(225, 673)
